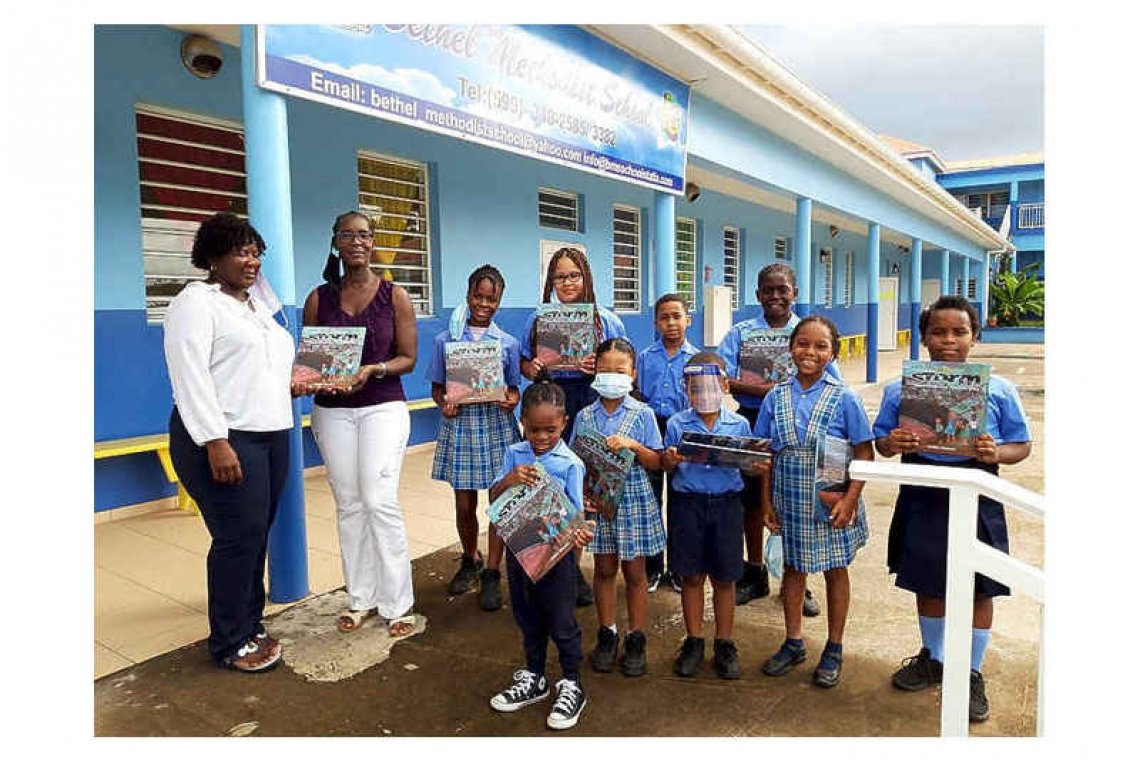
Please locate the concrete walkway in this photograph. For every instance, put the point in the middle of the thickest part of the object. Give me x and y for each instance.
(438, 682)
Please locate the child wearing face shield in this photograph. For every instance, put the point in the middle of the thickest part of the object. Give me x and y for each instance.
(636, 532)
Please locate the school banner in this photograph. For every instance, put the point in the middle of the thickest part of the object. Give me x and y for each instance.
(555, 93)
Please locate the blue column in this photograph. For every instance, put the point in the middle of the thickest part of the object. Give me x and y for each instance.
(270, 211)
(665, 261)
(966, 277)
(873, 237)
(803, 256)
(915, 294)
(984, 287)
(945, 272)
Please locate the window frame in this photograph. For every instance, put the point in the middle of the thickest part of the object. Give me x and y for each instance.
(849, 279)
(776, 248)
(638, 267)
(735, 284)
(678, 222)
(575, 217)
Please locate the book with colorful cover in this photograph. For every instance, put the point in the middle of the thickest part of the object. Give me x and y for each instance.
(328, 357)
(945, 404)
(606, 471)
(537, 523)
(764, 355)
(474, 371)
(833, 458)
(739, 451)
(564, 334)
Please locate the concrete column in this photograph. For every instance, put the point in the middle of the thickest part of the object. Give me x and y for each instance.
(984, 287)
(874, 234)
(916, 294)
(665, 255)
(270, 211)
(804, 278)
(945, 272)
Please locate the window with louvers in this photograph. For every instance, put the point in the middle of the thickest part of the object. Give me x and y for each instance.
(627, 259)
(848, 278)
(732, 263)
(686, 250)
(781, 249)
(557, 209)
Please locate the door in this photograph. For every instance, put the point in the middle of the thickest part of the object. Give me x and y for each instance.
(888, 313)
(931, 291)
(546, 249)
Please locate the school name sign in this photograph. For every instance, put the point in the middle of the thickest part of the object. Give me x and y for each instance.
(555, 93)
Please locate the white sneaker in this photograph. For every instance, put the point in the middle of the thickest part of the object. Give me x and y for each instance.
(526, 690)
(568, 705)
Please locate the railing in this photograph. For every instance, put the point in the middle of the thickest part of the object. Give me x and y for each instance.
(965, 555)
(1031, 216)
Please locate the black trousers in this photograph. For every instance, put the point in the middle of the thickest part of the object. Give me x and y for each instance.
(579, 395)
(656, 563)
(238, 518)
(545, 611)
(750, 496)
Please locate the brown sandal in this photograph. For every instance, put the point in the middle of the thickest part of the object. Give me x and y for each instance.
(402, 626)
(353, 620)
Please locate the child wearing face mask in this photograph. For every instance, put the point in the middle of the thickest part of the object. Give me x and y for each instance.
(636, 532)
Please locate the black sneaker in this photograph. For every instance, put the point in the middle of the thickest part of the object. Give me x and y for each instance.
(762, 589)
(526, 690)
(466, 577)
(584, 596)
(828, 671)
(569, 702)
(811, 606)
(690, 657)
(725, 661)
(979, 705)
(753, 584)
(654, 580)
(918, 672)
(490, 592)
(633, 654)
(604, 654)
(675, 582)
(786, 658)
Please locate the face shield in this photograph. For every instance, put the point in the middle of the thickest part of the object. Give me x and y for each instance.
(703, 382)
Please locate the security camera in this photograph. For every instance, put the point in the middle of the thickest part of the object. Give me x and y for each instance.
(201, 56)
(692, 192)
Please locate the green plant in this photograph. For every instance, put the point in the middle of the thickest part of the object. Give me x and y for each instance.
(1014, 295)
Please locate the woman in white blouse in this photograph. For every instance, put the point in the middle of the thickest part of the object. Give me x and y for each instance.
(230, 364)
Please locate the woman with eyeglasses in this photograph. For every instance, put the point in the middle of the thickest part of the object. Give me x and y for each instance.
(362, 431)
(230, 363)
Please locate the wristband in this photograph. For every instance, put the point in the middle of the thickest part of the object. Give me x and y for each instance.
(383, 369)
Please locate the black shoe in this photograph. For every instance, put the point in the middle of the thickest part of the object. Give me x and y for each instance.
(584, 596)
(829, 669)
(690, 657)
(604, 654)
(526, 690)
(654, 581)
(466, 577)
(918, 672)
(979, 705)
(762, 589)
(786, 658)
(811, 606)
(569, 702)
(675, 581)
(490, 591)
(633, 654)
(753, 584)
(725, 661)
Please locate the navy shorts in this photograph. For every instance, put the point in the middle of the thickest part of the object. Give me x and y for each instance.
(750, 496)
(708, 537)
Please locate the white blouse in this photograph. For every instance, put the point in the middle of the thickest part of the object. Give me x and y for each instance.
(230, 363)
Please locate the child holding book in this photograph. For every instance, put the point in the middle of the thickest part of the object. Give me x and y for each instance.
(776, 291)
(796, 416)
(545, 610)
(569, 279)
(916, 548)
(636, 531)
(473, 437)
(707, 537)
(660, 369)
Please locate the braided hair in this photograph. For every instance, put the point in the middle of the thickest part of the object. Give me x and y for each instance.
(486, 272)
(332, 273)
(543, 392)
(580, 261)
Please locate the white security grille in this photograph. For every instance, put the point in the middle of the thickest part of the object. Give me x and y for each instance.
(780, 248)
(828, 279)
(732, 263)
(557, 209)
(686, 248)
(627, 259)
(848, 278)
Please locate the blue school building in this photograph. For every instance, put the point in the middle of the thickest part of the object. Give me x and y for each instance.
(748, 166)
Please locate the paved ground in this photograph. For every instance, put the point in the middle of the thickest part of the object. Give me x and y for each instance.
(437, 682)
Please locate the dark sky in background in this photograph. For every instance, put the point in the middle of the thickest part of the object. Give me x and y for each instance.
(968, 91)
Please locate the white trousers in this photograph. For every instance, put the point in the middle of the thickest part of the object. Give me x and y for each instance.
(363, 451)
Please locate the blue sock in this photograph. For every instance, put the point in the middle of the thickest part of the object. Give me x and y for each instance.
(978, 646)
(933, 630)
(832, 651)
(794, 643)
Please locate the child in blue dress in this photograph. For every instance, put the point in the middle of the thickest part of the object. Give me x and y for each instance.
(473, 437)
(544, 611)
(916, 547)
(796, 416)
(636, 531)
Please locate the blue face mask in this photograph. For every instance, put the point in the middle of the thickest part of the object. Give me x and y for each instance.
(612, 385)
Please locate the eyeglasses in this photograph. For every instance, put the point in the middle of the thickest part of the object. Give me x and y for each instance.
(568, 277)
(347, 236)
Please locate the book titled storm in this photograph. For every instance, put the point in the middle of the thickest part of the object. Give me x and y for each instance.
(945, 405)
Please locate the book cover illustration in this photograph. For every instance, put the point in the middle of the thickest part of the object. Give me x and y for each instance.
(474, 371)
(738, 451)
(945, 405)
(537, 523)
(328, 357)
(764, 355)
(833, 458)
(564, 334)
(606, 471)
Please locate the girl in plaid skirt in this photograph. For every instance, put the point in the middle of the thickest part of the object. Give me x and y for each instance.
(473, 436)
(636, 531)
(821, 531)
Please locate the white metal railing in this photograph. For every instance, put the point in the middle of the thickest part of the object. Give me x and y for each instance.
(965, 555)
(1031, 216)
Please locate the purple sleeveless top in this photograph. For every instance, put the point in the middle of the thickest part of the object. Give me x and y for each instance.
(379, 344)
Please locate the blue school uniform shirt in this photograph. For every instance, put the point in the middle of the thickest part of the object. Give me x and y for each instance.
(661, 377)
(1005, 419)
(644, 430)
(562, 464)
(704, 478)
(437, 365)
(849, 421)
(729, 350)
(612, 327)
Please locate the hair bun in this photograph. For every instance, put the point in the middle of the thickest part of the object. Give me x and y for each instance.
(543, 376)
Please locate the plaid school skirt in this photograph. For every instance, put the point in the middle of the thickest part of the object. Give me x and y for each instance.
(470, 447)
(636, 530)
(810, 545)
